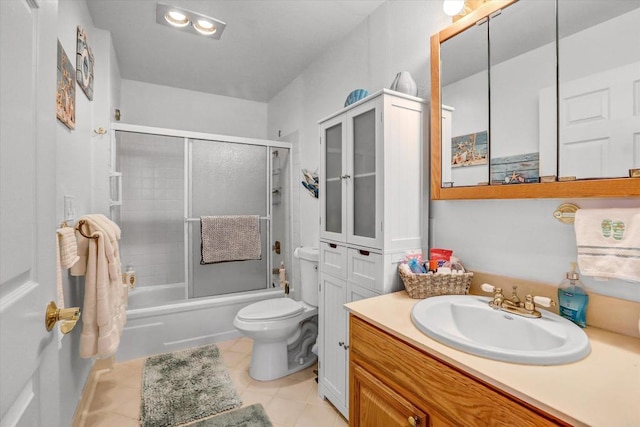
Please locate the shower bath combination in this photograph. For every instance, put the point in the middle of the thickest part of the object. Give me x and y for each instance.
(166, 183)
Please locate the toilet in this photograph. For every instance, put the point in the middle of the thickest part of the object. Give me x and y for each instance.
(284, 330)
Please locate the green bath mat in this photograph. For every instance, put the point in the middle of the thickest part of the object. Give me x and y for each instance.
(185, 386)
(249, 416)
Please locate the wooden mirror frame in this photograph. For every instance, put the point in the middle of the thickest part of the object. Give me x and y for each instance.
(606, 187)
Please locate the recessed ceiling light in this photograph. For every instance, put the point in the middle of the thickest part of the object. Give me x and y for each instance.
(177, 19)
(204, 27)
(189, 21)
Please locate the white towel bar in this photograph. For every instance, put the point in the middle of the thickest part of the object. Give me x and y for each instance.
(266, 218)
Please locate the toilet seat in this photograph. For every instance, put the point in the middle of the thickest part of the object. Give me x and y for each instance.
(271, 309)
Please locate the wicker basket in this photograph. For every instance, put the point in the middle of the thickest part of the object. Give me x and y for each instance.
(430, 285)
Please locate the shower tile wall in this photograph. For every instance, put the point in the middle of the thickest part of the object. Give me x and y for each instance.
(152, 212)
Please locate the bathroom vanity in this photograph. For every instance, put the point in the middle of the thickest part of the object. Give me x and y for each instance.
(401, 377)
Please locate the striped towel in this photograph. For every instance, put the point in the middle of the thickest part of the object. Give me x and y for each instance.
(609, 243)
(230, 238)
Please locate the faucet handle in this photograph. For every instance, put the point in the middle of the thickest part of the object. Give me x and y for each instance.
(544, 301)
(531, 301)
(488, 288)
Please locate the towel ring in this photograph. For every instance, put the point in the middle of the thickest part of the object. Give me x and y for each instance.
(79, 228)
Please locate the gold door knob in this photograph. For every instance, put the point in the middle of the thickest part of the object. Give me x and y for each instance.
(414, 421)
(68, 316)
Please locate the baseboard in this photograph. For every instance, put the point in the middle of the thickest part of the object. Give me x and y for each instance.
(100, 366)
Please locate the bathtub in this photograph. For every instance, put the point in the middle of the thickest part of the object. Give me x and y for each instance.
(182, 324)
(153, 296)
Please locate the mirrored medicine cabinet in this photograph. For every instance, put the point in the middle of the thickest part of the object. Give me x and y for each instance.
(537, 99)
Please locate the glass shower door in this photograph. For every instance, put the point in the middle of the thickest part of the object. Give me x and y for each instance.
(232, 179)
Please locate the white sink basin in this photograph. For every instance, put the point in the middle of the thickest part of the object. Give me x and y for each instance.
(467, 323)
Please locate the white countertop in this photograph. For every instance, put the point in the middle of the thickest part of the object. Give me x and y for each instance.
(602, 389)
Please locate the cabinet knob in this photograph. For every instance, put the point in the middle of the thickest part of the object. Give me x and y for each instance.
(340, 343)
(346, 347)
(414, 421)
(345, 176)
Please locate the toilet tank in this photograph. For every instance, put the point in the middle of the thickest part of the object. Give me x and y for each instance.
(308, 257)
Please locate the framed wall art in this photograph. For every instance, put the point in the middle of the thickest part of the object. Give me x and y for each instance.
(469, 150)
(84, 64)
(65, 90)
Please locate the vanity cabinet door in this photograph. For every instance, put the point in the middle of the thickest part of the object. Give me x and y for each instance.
(378, 405)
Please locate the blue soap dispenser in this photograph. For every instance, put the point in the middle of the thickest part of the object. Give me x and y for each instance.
(573, 298)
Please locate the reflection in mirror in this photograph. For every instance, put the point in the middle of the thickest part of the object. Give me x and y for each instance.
(464, 80)
(599, 75)
(522, 67)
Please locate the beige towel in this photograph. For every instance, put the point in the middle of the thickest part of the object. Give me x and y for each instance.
(230, 238)
(104, 309)
(609, 243)
(68, 246)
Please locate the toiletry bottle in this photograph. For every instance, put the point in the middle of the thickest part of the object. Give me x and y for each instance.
(282, 274)
(573, 298)
(129, 277)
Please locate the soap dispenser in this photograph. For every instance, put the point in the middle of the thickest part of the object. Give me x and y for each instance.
(573, 298)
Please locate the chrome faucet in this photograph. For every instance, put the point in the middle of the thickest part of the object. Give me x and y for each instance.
(515, 304)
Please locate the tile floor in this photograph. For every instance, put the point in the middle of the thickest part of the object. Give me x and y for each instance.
(290, 402)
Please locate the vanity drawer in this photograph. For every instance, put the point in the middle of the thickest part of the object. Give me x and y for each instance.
(365, 268)
(333, 259)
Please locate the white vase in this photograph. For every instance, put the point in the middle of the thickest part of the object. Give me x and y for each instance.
(404, 83)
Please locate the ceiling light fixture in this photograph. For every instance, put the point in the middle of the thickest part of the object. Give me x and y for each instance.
(205, 27)
(177, 19)
(187, 20)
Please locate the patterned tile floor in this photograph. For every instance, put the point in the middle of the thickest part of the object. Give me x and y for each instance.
(290, 402)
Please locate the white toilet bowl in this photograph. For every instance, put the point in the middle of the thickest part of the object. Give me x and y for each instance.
(283, 330)
(273, 325)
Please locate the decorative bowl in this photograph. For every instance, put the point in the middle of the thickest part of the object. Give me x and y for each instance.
(356, 96)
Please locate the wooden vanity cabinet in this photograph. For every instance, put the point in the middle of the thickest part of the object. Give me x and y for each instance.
(395, 384)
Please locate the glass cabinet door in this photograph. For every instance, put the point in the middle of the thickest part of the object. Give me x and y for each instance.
(333, 135)
(364, 174)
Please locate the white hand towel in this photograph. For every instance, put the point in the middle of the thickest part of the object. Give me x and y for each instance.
(608, 243)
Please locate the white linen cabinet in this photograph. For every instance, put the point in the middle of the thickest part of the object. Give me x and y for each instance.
(373, 193)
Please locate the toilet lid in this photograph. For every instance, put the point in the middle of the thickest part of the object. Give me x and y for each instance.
(271, 309)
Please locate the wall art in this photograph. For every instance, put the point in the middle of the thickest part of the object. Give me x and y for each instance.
(84, 64)
(469, 150)
(66, 90)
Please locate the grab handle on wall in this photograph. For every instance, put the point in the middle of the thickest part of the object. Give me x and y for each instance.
(118, 177)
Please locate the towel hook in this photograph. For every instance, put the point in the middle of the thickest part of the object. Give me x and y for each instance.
(566, 213)
(79, 228)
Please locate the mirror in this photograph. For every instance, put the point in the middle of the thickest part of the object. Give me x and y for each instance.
(522, 132)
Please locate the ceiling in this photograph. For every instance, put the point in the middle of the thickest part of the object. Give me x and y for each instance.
(265, 45)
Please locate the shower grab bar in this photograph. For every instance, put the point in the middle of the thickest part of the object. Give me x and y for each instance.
(266, 218)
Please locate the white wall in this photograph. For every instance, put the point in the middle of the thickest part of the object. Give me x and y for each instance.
(167, 107)
(82, 170)
(394, 38)
(519, 238)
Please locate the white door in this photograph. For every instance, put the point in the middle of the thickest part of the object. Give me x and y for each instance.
(600, 124)
(29, 394)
